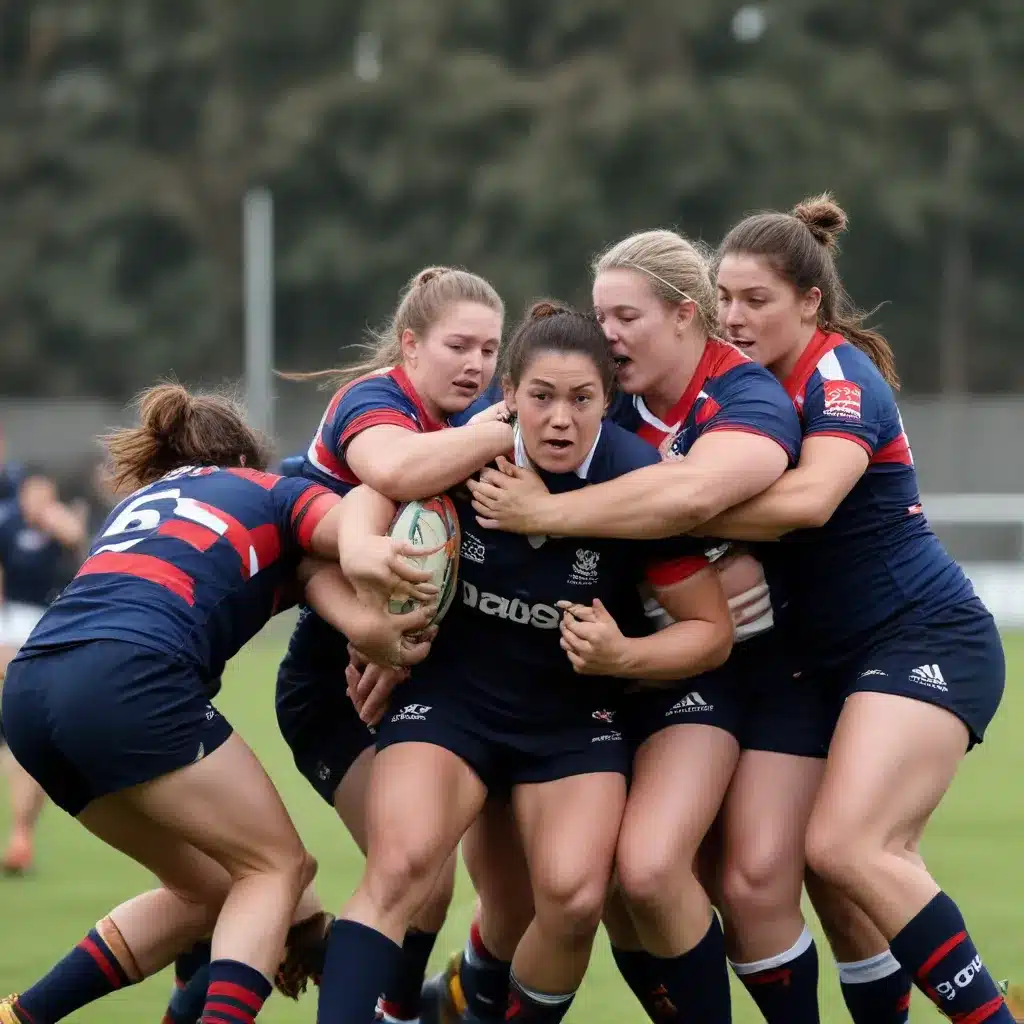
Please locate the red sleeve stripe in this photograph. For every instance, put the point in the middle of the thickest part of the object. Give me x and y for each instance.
(708, 408)
(143, 567)
(665, 574)
(844, 436)
(265, 480)
(308, 511)
(266, 542)
(897, 450)
(377, 418)
(237, 536)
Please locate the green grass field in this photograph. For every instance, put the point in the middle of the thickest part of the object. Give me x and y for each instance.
(975, 848)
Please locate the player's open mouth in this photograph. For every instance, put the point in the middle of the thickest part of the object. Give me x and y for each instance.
(560, 444)
(742, 342)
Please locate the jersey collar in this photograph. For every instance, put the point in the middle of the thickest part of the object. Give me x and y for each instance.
(401, 378)
(796, 383)
(582, 471)
(678, 413)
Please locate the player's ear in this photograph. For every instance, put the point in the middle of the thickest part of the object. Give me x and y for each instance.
(241, 460)
(408, 345)
(809, 304)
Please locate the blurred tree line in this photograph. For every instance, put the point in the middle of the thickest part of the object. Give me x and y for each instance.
(516, 137)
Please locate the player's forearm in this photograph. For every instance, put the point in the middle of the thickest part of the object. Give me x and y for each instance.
(428, 464)
(364, 513)
(653, 502)
(678, 651)
(791, 503)
(332, 597)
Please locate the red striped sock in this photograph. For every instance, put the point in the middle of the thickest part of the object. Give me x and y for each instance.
(236, 994)
(89, 972)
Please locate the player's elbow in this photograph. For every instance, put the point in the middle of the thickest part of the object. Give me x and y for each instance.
(721, 641)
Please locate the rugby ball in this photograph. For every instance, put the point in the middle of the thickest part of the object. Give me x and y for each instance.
(428, 523)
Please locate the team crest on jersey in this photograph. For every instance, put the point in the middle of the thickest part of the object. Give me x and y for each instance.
(603, 715)
(473, 549)
(674, 447)
(842, 399)
(584, 569)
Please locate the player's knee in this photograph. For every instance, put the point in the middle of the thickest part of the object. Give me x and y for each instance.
(571, 900)
(836, 853)
(402, 874)
(758, 881)
(648, 872)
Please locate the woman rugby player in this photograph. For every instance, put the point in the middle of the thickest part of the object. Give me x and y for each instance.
(37, 531)
(696, 396)
(498, 708)
(918, 669)
(383, 427)
(107, 703)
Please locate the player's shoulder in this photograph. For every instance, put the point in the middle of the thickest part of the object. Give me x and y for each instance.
(846, 378)
(731, 369)
(619, 451)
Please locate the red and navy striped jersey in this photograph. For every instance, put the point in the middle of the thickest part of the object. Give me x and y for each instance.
(193, 565)
(877, 557)
(501, 637)
(384, 397)
(727, 391)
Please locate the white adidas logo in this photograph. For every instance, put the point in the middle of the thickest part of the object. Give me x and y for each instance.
(691, 702)
(929, 675)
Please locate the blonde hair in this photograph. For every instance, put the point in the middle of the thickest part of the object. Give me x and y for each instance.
(677, 269)
(426, 298)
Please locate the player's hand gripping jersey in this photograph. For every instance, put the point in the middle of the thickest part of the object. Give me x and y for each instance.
(500, 642)
(193, 566)
(877, 557)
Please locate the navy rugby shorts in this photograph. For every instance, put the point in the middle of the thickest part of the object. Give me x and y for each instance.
(756, 696)
(505, 750)
(953, 659)
(100, 716)
(316, 718)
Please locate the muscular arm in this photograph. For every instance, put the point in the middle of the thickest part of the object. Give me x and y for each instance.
(699, 640)
(44, 511)
(804, 497)
(723, 468)
(405, 465)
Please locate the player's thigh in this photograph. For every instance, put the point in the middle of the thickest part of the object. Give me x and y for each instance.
(891, 761)
(680, 777)
(570, 827)
(422, 797)
(763, 823)
(181, 867)
(493, 852)
(350, 796)
(227, 806)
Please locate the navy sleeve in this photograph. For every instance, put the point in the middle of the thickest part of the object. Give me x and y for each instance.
(749, 398)
(367, 403)
(852, 408)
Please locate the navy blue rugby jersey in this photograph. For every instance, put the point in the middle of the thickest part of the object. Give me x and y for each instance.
(32, 561)
(501, 637)
(193, 565)
(728, 391)
(384, 397)
(876, 558)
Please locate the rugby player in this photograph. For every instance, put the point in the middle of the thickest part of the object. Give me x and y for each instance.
(36, 533)
(498, 709)
(383, 426)
(107, 705)
(690, 394)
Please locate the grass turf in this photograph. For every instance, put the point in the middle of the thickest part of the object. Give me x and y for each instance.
(975, 848)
